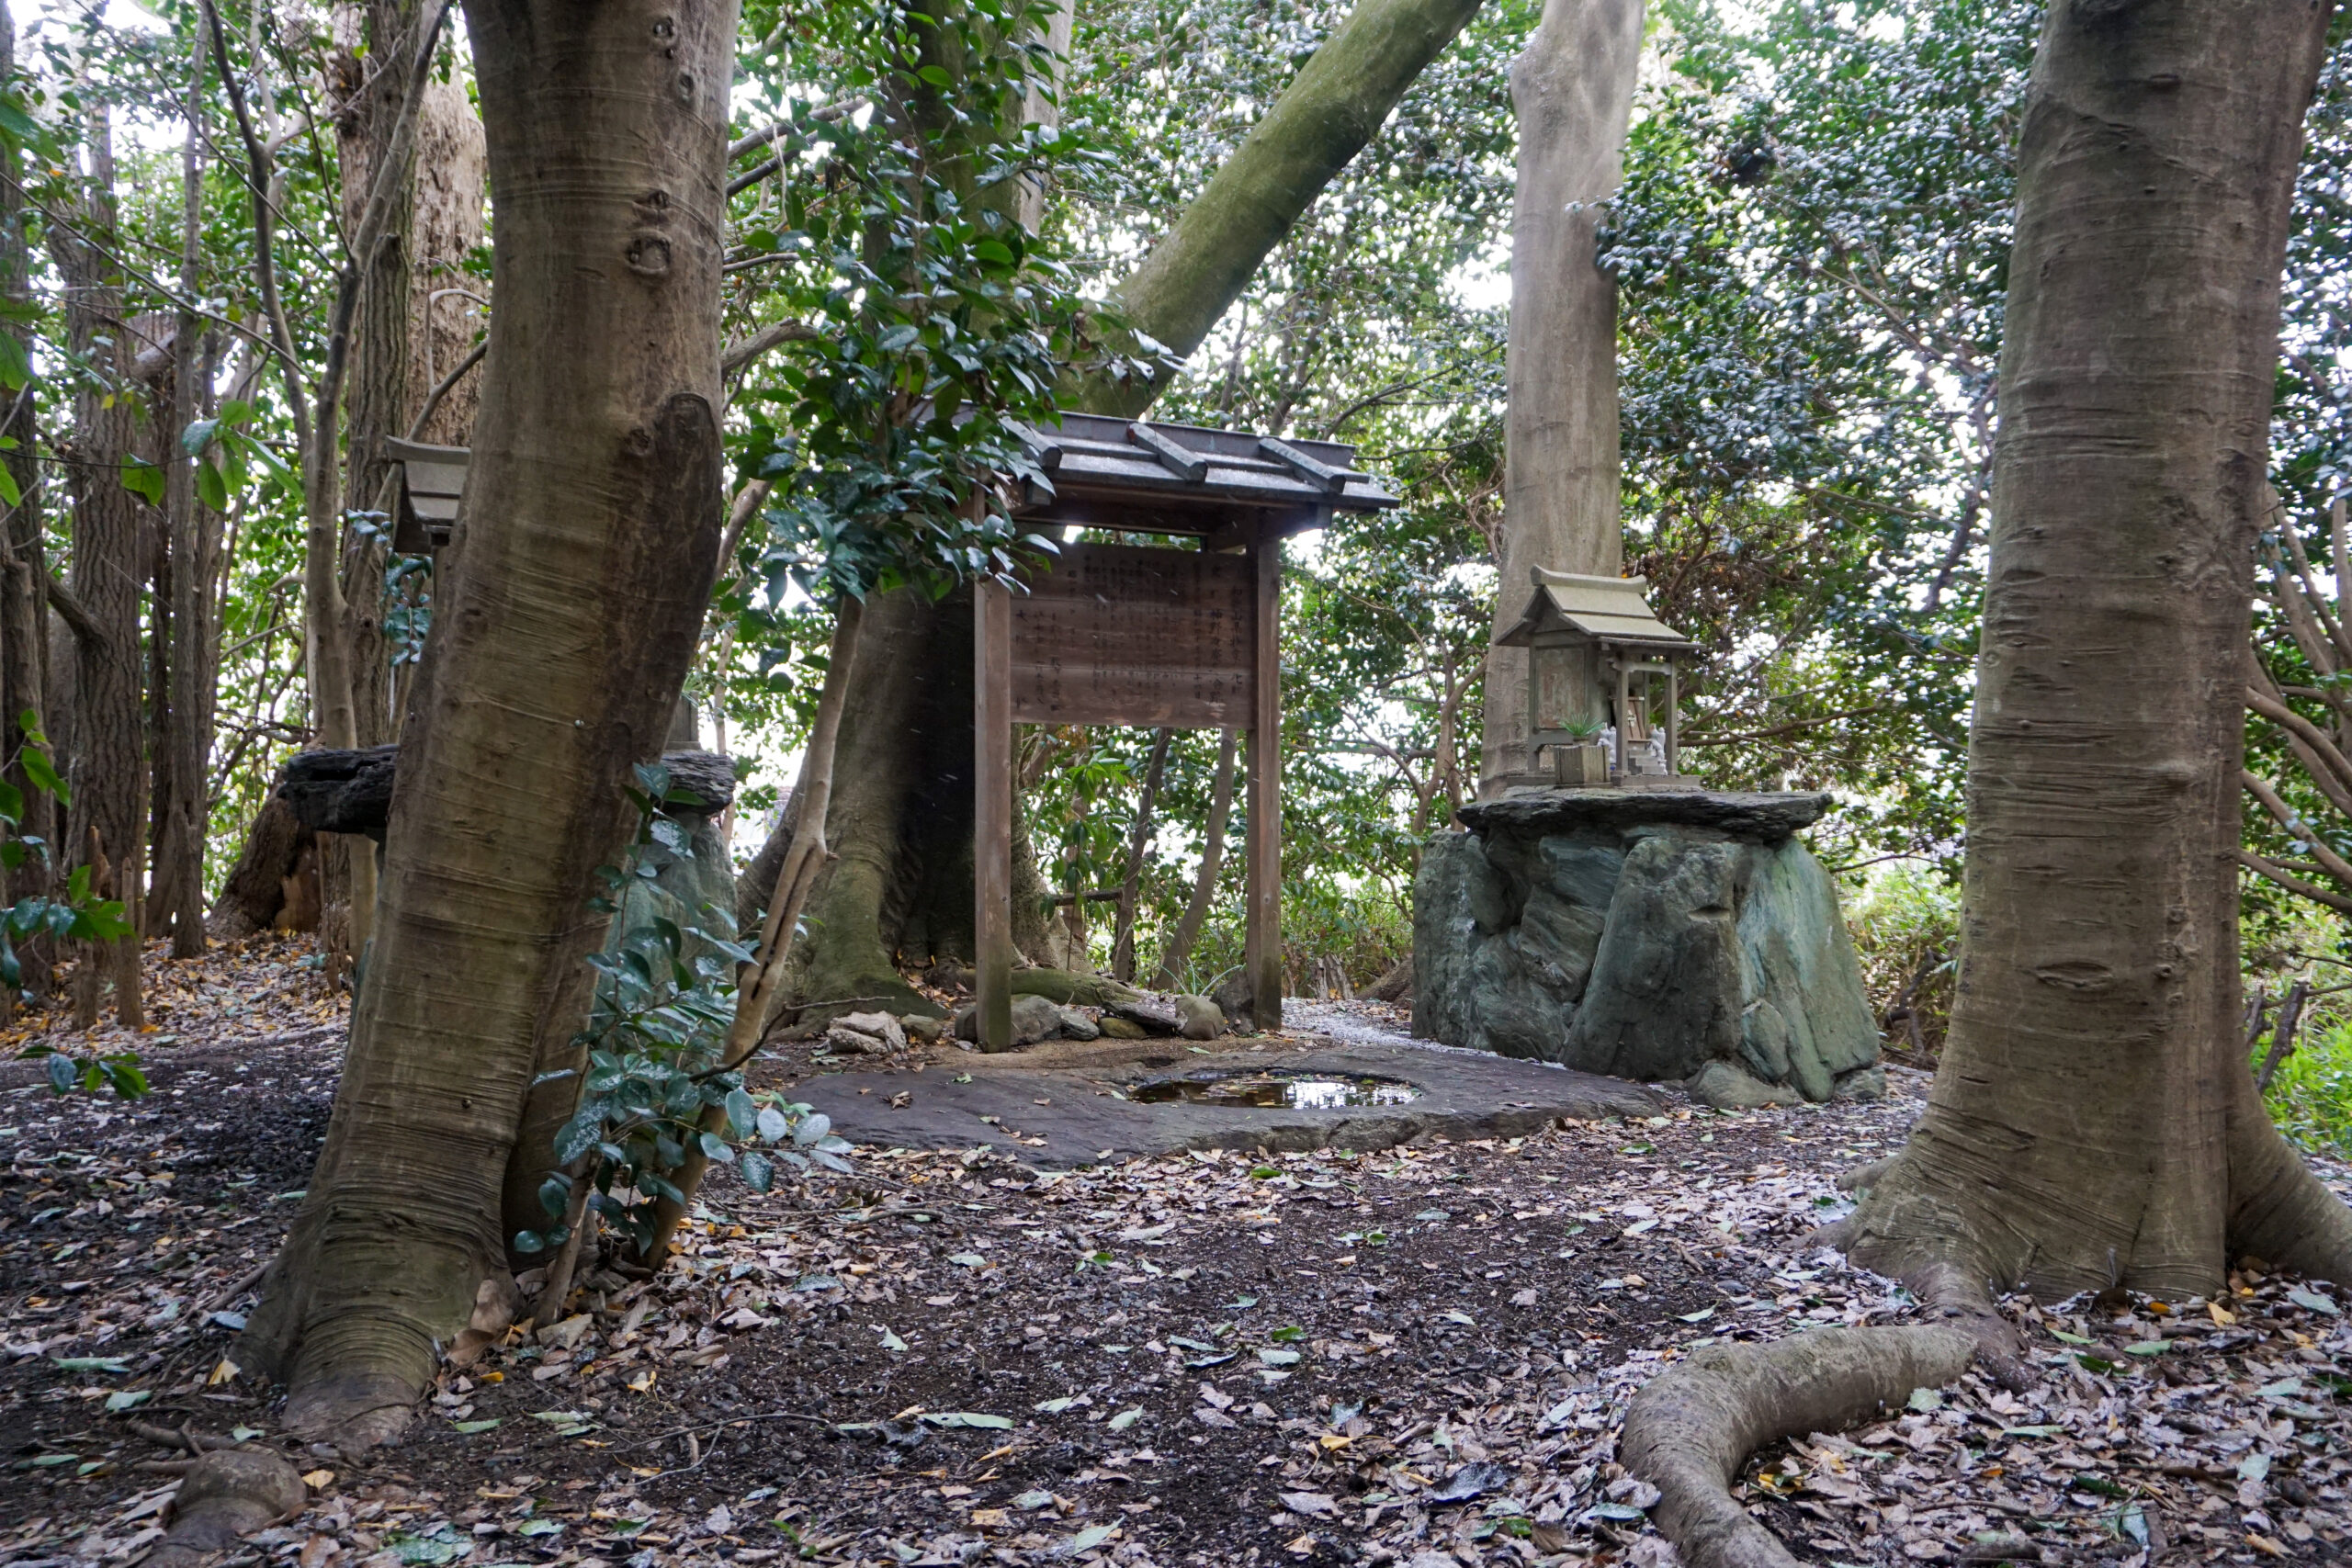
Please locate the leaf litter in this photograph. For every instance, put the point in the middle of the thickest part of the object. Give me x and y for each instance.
(1416, 1357)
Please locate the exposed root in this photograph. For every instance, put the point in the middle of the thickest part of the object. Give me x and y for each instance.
(1959, 1301)
(183, 1438)
(1691, 1427)
(227, 1495)
(361, 1410)
(1864, 1177)
(2278, 1209)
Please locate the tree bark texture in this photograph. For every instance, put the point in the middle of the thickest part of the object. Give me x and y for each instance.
(900, 889)
(1123, 930)
(416, 316)
(264, 889)
(24, 572)
(571, 597)
(105, 768)
(374, 38)
(186, 803)
(1572, 91)
(2093, 1121)
(900, 730)
(445, 310)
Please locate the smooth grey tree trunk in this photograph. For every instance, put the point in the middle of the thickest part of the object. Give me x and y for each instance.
(1573, 90)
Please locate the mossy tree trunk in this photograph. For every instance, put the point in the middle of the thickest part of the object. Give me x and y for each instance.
(569, 606)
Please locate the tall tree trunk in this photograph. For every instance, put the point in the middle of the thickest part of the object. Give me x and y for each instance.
(1573, 90)
(2093, 1121)
(1197, 913)
(1123, 930)
(894, 751)
(446, 226)
(579, 584)
(1042, 106)
(105, 770)
(367, 140)
(444, 300)
(24, 572)
(186, 806)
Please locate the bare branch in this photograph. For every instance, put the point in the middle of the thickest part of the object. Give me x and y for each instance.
(2335, 865)
(72, 611)
(2270, 870)
(743, 350)
(441, 388)
(2286, 718)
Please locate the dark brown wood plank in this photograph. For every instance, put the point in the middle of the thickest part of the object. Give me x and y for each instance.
(1118, 635)
(1262, 949)
(1145, 515)
(992, 813)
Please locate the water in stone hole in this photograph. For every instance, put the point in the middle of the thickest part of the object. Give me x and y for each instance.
(1270, 1090)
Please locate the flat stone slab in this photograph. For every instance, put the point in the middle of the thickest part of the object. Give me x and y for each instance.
(1053, 1117)
(1742, 814)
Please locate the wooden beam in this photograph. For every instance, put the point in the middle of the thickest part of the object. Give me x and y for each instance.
(1263, 942)
(992, 812)
(1182, 461)
(1312, 470)
(1049, 450)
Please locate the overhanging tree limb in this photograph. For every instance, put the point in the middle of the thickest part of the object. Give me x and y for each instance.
(1334, 105)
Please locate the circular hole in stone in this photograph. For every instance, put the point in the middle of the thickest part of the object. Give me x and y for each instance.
(1303, 1093)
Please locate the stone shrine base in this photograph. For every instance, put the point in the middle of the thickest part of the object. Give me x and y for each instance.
(1646, 934)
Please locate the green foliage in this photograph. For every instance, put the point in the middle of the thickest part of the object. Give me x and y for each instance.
(2311, 1095)
(934, 327)
(76, 915)
(1812, 245)
(655, 1042)
(1905, 925)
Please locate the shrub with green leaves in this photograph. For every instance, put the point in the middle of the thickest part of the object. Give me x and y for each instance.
(655, 1039)
(77, 916)
(2311, 1094)
(1906, 926)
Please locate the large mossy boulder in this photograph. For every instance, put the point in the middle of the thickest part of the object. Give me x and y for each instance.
(1648, 935)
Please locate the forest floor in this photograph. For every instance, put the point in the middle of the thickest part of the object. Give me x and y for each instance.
(1415, 1356)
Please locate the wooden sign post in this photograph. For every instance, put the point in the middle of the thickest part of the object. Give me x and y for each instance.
(1165, 638)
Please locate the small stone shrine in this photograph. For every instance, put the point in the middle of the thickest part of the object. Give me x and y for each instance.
(1629, 920)
(1684, 935)
(1586, 636)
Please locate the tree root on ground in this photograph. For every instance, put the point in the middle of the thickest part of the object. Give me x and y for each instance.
(354, 1410)
(1864, 1177)
(227, 1495)
(1691, 1427)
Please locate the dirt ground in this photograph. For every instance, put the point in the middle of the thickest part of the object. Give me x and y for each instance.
(1415, 1356)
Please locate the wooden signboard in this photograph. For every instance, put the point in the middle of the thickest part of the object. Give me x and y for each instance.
(1118, 635)
(1164, 638)
(1115, 634)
